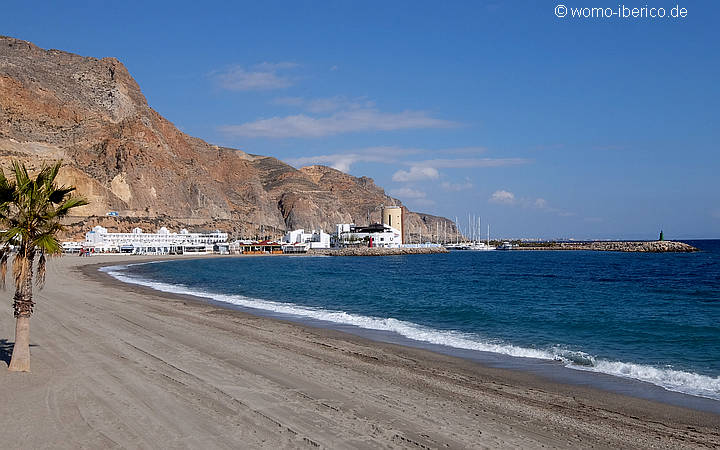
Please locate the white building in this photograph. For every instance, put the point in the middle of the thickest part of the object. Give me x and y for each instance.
(313, 239)
(377, 235)
(72, 247)
(163, 242)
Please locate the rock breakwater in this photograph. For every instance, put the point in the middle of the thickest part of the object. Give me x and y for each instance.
(617, 246)
(377, 251)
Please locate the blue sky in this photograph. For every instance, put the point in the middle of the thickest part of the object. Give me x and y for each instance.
(544, 127)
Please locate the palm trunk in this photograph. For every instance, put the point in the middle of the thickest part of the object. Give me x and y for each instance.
(23, 305)
(20, 361)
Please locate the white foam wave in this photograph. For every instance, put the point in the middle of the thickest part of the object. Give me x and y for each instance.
(672, 380)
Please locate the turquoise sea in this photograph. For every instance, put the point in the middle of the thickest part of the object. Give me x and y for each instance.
(652, 318)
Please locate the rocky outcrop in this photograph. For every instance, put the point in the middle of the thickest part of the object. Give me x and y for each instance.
(616, 246)
(377, 251)
(125, 157)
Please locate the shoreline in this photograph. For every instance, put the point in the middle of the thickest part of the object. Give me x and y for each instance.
(549, 368)
(123, 348)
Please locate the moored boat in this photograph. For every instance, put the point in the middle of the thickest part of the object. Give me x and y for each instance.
(505, 246)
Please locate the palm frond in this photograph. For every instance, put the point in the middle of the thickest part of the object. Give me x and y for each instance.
(52, 172)
(7, 190)
(14, 234)
(21, 174)
(69, 204)
(58, 195)
(3, 265)
(47, 242)
(42, 266)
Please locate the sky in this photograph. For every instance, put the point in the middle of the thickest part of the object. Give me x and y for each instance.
(542, 126)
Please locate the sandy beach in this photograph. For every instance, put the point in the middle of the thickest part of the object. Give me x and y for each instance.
(115, 365)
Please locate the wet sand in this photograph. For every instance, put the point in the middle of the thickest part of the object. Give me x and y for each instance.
(116, 365)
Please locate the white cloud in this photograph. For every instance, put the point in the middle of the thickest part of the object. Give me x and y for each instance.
(462, 150)
(462, 163)
(408, 193)
(508, 198)
(412, 196)
(269, 67)
(542, 204)
(397, 156)
(454, 187)
(344, 161)
(366, 119)
(416, 173)
(263, 76)
(289, 101)
(502, 197)
(421, 202)
(326, 104)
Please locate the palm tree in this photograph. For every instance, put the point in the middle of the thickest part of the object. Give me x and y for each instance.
(32, 209)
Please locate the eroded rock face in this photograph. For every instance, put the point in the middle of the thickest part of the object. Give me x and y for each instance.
(123, 156)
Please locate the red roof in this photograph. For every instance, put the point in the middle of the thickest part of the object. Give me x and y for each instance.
(267, 243)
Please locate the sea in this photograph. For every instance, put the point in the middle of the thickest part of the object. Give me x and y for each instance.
(641, 324)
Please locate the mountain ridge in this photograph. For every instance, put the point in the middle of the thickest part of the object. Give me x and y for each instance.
(124, 156)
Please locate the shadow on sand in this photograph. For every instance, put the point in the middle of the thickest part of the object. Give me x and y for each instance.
(6, 348)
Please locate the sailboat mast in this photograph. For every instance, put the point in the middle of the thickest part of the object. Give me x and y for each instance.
(469, 228)
(457, 231)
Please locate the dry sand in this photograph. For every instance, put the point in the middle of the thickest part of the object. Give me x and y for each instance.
(123, 366)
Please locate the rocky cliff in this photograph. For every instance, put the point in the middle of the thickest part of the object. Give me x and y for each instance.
(124, 156)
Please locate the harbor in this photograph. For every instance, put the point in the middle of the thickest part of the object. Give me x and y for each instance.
(373, 239)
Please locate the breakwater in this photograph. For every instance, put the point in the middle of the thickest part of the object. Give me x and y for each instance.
(377, 251)
(616, 246)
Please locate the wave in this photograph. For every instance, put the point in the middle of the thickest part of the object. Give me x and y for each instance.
(670, 379)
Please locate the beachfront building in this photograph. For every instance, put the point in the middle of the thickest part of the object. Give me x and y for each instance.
(236, 246)
(248, 247)
(164, 242)
(313, 239)
(392, 216)
(72, 246)
(375, 235)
